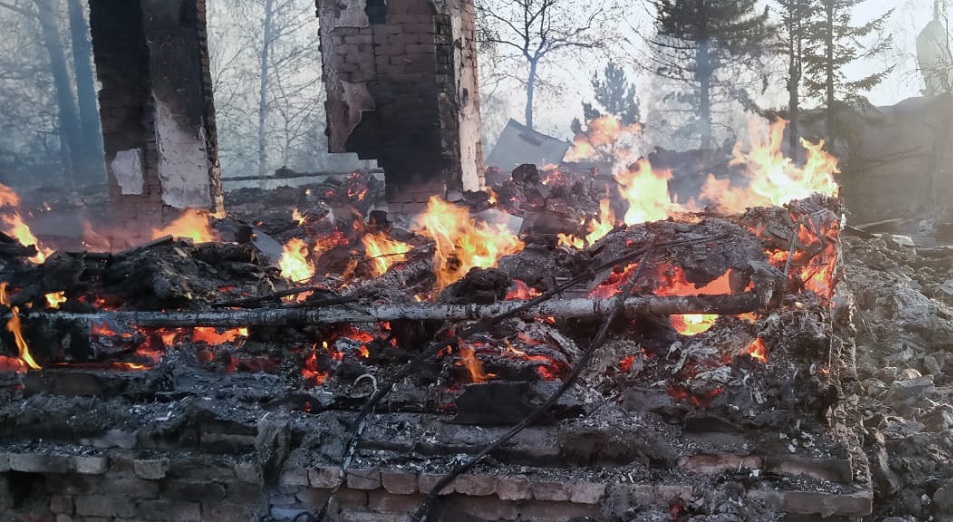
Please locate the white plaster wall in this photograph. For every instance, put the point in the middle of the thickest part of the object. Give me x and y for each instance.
(470, 128)
(126, 168)
(183, 162)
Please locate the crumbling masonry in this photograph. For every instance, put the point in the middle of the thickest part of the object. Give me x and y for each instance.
(401, 79)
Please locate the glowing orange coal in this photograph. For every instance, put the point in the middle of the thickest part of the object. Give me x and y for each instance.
(14, 327)
(674, 283)
(55, 299)
(193, 224)
(295, 263)
(215, 336)
(12, 224)
(383, 251)
(461, 242)
(773, 179)
(521, 291)
(757, 351)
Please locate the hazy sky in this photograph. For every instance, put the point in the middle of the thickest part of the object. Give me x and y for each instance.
(909, 18)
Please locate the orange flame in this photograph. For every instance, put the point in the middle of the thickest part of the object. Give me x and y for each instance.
(14, 226)
(297, 217)
(598, 228)
(212, 336)
(473, 365)
(773, 179)
(521, 291)
(599, 138)
(757, 351)
(14, 327)
(294, 263)
(383, 251)
(193, 224)
(461, 242)
(647, 192)
(676, 284)
(55, 299)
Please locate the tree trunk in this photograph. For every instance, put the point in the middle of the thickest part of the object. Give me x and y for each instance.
(703, 72)
(70, 131)
(263, 84)
(794, 82)
(530, 91)
(93, 170)
(830, 108)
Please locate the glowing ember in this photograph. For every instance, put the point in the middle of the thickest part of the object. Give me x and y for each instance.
(212, 336)
(12, 224)
(521, 291)
(297, 217)
(675, 284)
(294, 263)
(193, 224)
(383, 251)
(14, 327)
(461, 242)
(625, 365)
(774, 180)
(55, 299)
(757, 351)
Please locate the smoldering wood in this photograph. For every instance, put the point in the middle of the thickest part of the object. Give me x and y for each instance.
(567, 308)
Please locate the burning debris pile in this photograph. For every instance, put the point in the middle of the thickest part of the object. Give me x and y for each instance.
(704, 325)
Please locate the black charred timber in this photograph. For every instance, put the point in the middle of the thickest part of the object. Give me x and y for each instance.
(567, 308)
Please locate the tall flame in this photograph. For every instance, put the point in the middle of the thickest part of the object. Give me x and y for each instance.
(14, 226)
(773, 179)
(383, 251)
(473, 365)
(600, 138)
(461, 242)
(294, 263)
(646, 190)
(677, 284)
(192, 224)
(14, 327)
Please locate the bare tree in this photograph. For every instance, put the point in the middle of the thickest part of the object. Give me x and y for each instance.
(533, 31)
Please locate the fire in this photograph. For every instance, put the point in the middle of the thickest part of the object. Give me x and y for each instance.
(473, 365)
(294, 263)
(383, 251)
(521, 291)
(626, 364)
(646, 190)
(193, 224)
(297, 217)
(598, 228)
(757, 351)
(55, 299)
(461, 242)
(602, 133)
(773, 179)
(676, 284)
(14, 226)
(213, 336)
(14, 327)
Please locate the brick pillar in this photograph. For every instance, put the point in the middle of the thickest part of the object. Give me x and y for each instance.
(156, 107)
(402, 89)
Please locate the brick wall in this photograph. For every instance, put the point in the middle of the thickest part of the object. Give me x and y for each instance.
(152, 62)
(401, 83)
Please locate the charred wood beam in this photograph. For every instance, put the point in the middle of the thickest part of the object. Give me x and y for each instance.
(568, 308)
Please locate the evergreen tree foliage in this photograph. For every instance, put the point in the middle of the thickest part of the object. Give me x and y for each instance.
(614, 94)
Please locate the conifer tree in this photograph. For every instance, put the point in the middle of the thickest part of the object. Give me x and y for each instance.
(614, 95)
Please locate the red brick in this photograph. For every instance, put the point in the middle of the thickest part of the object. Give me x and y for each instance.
(366, 479)
(226, 512)
(169, 511)
(475, 485)
(399, 483)
(61, 505)
(324, 477)
(385, 502)
(103, 506)
(553, 491)
(587, 492)
(514, 488)
(541, 511)
(193, 490)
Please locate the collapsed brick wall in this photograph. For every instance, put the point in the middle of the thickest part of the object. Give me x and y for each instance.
(401, 78)
(158, 119)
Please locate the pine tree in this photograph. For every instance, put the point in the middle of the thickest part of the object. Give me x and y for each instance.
(708, 46)
(795, 16)
(614, 94)
(835, 43)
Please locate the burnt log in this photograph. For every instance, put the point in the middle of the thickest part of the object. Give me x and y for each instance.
(353, 313)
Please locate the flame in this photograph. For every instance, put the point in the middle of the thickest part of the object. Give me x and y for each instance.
(521, 291)
(757, 351)
(12, 364)
(598, 228)
(473, 365)
(774, 180)
(461, 242)
(14, 327)
(193, 224)
(294, 262)
(383, 251)
(646, 190)
(601, 134)
(676, 284)
(14, 226)
(55, 299)
(297, 217)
